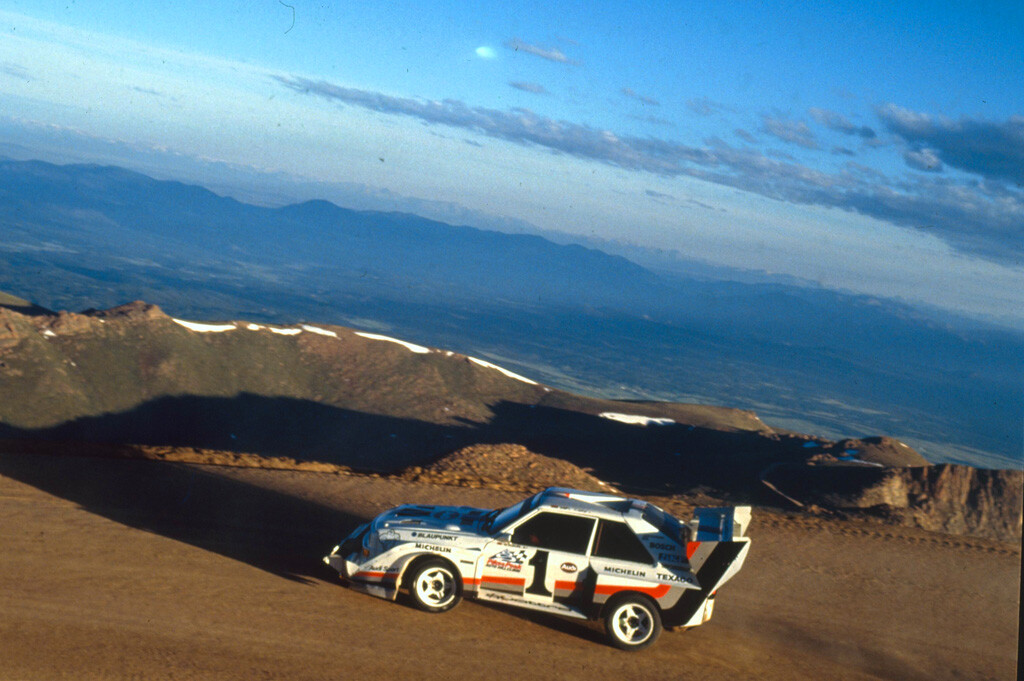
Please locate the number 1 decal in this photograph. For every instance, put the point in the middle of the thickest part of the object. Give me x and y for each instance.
(540, 571)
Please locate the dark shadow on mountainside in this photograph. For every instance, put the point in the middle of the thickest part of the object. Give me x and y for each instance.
(270, 426)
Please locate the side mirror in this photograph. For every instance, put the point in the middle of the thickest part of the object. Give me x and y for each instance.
(504, 536)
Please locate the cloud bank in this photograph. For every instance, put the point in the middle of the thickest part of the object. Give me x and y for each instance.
(979, 218)
(990, 149)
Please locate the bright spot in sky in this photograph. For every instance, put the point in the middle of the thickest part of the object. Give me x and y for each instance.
(485, 52)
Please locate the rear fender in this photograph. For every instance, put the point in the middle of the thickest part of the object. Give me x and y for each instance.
(714, 564)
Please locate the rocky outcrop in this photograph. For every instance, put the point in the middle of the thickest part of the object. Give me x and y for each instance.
(135, 311)
(12, 328)
(944, 498)
(882, 450)
(964, 500)
(509, 467)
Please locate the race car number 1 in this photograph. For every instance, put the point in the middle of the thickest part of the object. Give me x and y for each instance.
(540, 571)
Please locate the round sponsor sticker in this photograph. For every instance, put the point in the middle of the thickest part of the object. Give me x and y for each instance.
(569, 567)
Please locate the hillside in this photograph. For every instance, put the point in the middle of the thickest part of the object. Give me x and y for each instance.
(330, 394)
(134, 374)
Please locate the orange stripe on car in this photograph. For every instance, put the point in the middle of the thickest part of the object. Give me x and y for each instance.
(365, 576)
(513, 581)
(652, 591)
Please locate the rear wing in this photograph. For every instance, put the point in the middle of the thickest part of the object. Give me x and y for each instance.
(716, 551)
(720, 523)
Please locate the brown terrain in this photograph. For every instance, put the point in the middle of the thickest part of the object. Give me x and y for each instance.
(117, 568)
(166, 495)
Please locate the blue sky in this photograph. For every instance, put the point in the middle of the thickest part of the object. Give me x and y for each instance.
(874, 147)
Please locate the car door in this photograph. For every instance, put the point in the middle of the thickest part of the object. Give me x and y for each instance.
(621, 562)
(544, 560)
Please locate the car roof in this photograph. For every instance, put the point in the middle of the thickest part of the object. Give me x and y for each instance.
(598, 504)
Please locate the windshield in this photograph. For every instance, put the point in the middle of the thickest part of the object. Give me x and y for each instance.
(506, 515)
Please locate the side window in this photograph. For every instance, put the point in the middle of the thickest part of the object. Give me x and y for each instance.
(555, 531)
(616, 540)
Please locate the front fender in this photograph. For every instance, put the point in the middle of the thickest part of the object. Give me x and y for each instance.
(382, 575)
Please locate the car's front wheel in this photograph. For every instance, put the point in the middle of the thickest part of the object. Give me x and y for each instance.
(435, 586)
(632, 622)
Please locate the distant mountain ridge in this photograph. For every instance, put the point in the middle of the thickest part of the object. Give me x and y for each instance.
(571, 316)
(129, 214)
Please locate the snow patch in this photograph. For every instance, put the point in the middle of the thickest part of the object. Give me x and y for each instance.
(285, 332)
(253, 327)
(503, 370)
(636, 420)
(318, 330)
(862, 463)
(205, 328)
(49, 333)
(418, 349)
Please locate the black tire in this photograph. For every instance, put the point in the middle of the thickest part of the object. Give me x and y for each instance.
(435, 586)
(632, 622)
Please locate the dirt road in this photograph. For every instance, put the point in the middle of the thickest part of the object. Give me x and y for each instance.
(137, 569)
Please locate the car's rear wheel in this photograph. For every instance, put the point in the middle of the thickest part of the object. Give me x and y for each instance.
(632, 622)
(435, 586)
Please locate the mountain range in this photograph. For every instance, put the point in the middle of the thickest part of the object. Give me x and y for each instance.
(568, 316)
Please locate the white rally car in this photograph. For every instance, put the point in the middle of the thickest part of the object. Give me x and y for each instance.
(579, 554)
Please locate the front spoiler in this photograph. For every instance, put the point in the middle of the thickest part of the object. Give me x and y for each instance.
(349, 546)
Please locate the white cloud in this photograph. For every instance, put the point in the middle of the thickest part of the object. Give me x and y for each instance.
(534, 88)
(550, 53)
(794, 132)
(924, 159)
